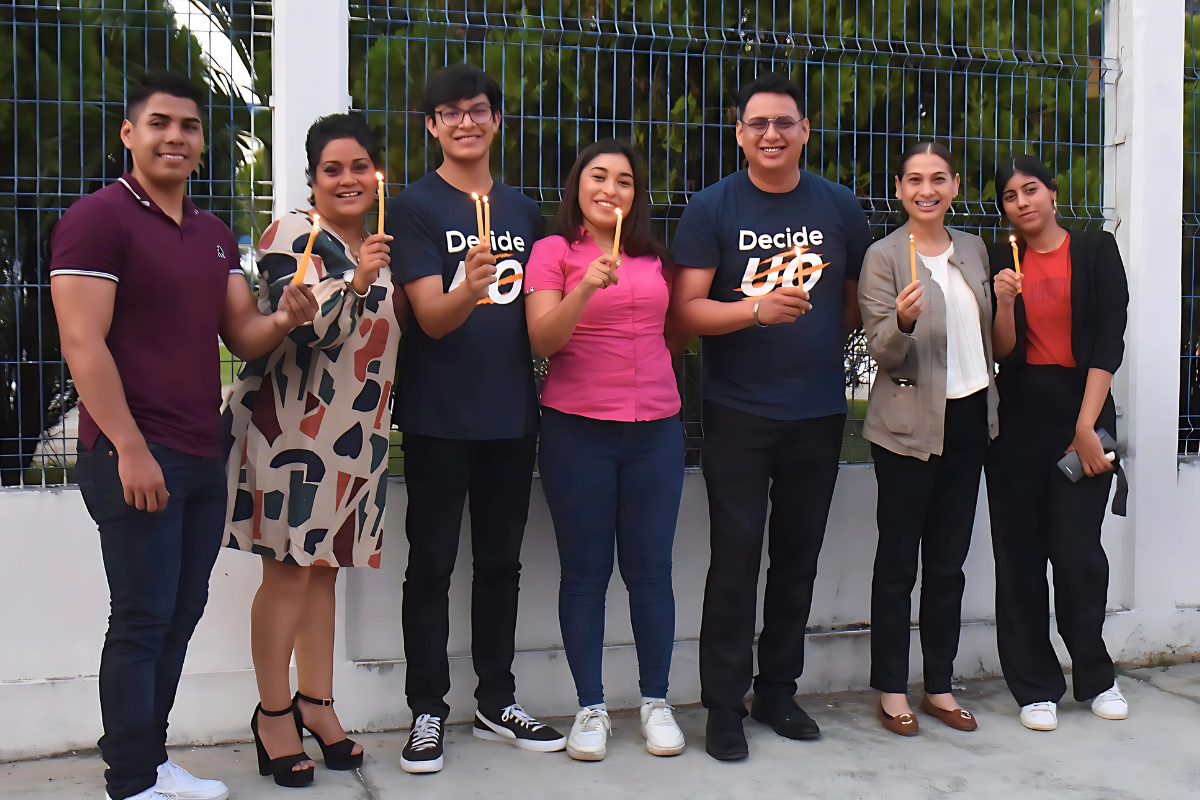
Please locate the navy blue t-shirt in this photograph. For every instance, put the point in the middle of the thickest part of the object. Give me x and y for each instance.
(791, 370)
(475, 382)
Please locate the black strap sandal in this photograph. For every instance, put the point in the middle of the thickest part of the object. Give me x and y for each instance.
(280, 768)
(338, 755)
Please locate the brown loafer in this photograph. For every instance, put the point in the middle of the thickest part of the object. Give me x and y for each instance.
(960, 719)
(902, 724)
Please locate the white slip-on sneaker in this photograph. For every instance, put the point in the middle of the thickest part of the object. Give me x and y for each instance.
(589, 735)
(175, 781)
(1040, 716)
(659, 729)
(1111, 704)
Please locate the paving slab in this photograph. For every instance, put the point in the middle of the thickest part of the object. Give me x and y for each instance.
(1154, 755)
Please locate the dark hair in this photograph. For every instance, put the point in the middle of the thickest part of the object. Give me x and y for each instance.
(458, 82)
(338, 126)
(771, 83)
(637, 238)
(175, 84)
(926, 148)
(1026, 164)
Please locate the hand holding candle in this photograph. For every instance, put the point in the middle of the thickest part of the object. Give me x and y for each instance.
(1012, 241)
(382, 190)
(298, 278)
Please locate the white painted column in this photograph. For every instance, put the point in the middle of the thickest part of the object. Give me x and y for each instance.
(1149, 207)
(310, 55)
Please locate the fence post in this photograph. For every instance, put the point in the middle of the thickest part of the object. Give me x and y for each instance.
(1149, 208)
(310, 59)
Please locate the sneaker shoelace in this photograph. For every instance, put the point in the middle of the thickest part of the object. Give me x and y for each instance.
(592, 723)
(515, 713)
(1035, 707)
(1112, 694)
(660, 714)
(425, 733)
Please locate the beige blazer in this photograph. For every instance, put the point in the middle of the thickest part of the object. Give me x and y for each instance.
(907, 410)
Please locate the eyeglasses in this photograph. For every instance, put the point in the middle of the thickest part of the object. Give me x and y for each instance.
(454, 116)
(758, 126)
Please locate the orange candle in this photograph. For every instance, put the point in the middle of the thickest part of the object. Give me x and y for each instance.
(1012, 240)
(487, 222)
(382, 190)
(617, 236)
(298, 278)
(912, 256)
(478, 215)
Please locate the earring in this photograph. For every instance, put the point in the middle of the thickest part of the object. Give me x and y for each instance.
(1056, 207)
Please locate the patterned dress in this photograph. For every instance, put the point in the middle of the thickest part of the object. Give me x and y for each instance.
(307, 425)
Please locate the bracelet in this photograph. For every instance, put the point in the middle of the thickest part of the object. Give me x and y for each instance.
(756, 321)
(349, 278)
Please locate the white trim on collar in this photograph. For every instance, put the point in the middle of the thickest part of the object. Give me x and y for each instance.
(124, 182)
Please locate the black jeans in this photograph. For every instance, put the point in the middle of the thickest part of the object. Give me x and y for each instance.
(926, 506)
(158, 567)
(498, 475)
(747, 458)
(1038, 515)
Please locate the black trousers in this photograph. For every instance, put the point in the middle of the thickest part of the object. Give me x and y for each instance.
(158, 568)
(925, 506)
(441, 473)
(747, 458)
(1039, 516)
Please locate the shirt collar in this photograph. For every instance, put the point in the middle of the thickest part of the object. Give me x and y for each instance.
(143, 197)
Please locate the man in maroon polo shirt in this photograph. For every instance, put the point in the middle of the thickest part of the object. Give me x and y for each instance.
(143, 284)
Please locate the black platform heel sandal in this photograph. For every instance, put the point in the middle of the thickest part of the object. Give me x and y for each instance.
(280, 768)
(339, 755)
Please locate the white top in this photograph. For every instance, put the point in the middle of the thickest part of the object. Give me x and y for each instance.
(966, 365)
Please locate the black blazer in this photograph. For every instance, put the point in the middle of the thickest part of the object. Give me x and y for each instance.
(1099, 302)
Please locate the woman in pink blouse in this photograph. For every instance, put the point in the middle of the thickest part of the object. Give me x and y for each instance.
(611, 453)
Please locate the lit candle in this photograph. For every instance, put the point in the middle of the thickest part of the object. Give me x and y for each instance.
(478, 215)
(912, 256)
(382, 190)
(298, 278)
(487, 222)
(1012, 241)
(617, 236)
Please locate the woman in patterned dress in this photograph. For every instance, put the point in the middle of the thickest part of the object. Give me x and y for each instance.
(308, 445)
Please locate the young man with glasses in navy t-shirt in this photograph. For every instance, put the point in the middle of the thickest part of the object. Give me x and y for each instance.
(768, 273)
(468, 410)
(144, 283)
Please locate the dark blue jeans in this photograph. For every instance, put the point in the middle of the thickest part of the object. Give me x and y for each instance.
(613, 485)
(158, 567)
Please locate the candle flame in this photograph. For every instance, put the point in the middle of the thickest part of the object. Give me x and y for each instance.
(484, 198)
(378, 176)
(912, 238)
(316, 218)
(619, 214)
(474, 196)
(1012, 239)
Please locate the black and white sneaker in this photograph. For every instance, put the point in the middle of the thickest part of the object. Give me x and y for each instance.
(423, 753)
(516, 727)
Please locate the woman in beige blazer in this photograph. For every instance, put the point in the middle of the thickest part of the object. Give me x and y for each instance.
(931, 415)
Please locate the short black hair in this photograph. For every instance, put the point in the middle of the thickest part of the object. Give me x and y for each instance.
(927, 148)
(1026, 164)
(175, 84)
(771, 83)
(457, 82)
(338, 126)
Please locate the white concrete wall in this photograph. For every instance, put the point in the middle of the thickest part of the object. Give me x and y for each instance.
(52, 581)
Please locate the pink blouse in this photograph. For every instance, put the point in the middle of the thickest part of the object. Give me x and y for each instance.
(616, 365)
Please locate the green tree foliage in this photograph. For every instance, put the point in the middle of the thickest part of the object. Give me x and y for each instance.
(64, 70)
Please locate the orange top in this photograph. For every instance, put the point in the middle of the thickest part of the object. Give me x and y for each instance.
(1046, 289)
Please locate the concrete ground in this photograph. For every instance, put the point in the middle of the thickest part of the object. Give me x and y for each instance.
(1154, 755)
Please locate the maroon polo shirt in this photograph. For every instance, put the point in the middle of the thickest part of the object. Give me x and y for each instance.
(172, 280)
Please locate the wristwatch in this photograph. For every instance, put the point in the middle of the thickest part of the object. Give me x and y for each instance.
(756, 320)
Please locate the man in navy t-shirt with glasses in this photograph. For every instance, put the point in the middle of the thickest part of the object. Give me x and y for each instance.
(768, 274)
(468, 409)
(144, 283)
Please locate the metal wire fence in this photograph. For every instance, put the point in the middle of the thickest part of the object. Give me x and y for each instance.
(987, 78)
(1189, 400)
(64, 69)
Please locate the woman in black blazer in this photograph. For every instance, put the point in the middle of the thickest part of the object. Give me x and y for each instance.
(1058, 335)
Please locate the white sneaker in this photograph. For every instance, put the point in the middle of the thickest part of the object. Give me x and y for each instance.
(1111, 704)
(589, 735)
(1040, 716)
(150, 794)
(175, 781)
(659, 729)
